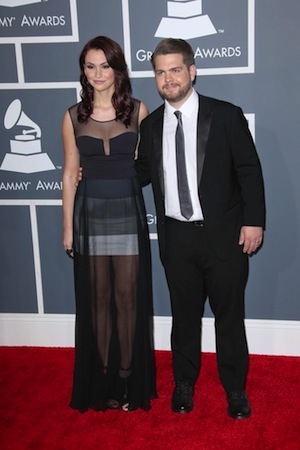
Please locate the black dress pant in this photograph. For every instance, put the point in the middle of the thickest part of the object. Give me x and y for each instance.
(194, 272)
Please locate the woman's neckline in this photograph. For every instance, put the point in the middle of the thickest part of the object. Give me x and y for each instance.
(102, 121)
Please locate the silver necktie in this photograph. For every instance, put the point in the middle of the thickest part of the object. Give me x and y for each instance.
(183, 186)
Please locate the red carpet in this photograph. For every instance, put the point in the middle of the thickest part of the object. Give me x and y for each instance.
(35, 386)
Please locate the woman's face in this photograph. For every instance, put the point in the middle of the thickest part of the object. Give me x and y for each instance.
(98, 72)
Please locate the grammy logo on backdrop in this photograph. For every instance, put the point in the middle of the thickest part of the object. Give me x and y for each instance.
(185, 20)
(14, 3)
(26, 154)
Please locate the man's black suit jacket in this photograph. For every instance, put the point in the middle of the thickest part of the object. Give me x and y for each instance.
(230, 182)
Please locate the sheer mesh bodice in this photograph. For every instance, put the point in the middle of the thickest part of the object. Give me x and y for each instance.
(106, 148)
(112, 269)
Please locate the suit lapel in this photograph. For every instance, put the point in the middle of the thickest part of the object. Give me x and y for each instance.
(157, 145)
(205, 115)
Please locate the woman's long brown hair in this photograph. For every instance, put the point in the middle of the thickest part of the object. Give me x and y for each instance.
(121, 99)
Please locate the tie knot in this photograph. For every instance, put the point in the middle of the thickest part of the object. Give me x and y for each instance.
(178, 114)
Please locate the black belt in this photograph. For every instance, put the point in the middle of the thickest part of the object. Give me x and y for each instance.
(196, 223)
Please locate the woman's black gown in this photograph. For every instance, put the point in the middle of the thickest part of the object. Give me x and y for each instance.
(114, 352)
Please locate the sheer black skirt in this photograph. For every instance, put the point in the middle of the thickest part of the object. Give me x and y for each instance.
(113, 289)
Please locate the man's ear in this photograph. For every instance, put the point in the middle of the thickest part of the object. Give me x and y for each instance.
(193, 71)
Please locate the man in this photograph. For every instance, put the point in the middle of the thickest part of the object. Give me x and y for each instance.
(205, 241)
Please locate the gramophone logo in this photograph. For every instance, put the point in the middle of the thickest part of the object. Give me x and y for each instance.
(25, 149)
(14, 3)
(185, 20)
(213, 28)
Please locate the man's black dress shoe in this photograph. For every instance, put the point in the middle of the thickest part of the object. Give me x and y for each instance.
(182, 399)
(238, 405)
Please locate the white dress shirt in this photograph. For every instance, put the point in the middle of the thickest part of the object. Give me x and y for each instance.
(189, 112)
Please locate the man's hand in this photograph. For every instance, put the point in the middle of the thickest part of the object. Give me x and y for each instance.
(251, 238)
(79, 177)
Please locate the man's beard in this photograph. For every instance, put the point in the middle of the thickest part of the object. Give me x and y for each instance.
(174, 97)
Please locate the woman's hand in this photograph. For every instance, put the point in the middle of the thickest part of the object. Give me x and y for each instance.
(68, 243)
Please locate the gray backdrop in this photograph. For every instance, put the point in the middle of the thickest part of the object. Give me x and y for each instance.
(247, 53)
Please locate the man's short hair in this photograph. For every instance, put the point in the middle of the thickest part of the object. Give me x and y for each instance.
(170, 46)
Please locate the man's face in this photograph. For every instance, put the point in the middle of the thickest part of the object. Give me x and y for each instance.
(173, 79)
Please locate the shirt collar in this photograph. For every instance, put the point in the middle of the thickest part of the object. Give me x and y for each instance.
(187, 108)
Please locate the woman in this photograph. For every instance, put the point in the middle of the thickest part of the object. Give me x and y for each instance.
(105, 231)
